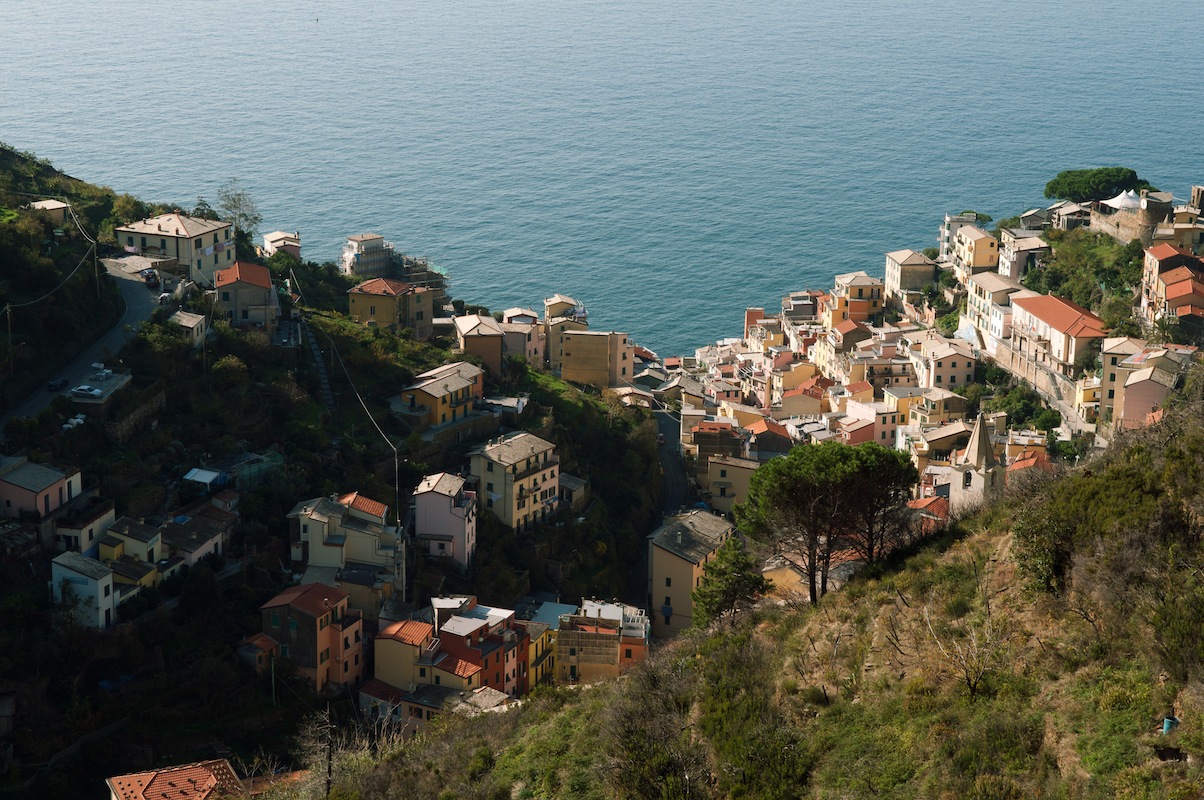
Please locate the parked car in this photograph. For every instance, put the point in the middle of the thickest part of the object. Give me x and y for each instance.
(56, 385)
(164, 298)
(87, 391)
(660, 438)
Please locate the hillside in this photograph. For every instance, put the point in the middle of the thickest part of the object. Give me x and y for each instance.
(1032, 652)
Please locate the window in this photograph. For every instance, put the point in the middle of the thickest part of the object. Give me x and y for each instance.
(322, 659)
(938, 378)
(627, 653)
(108, 588)
(497, 677)
(418, 316)
(422, 672)
(292, 626)
(722, 473)
(275, 620)
(346, 667)
(489, 487)
(489, 466)
(967, 479)
(668, 581)
(723, 490)
(437, 680)
(668, 602)
(284, 651)
(225, 295)
(1112, 375)
(372, 310)
(1111, 393)
(245, 313)
(572, 651)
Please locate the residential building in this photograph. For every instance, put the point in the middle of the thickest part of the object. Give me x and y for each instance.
(56, 210)
(1019, 251)
(854, 296)
(517, 478)
(937, 361)
(202, 532)
(316, 628)
(445, 519)
(541, 621)
(597, 358)
(245, 295)
(392, 304)
(485, 637)
(1067, 215)
(194, 325)
(1145, 379)
(483, 337)
(37, 489)
(1114, 350)
(282, 242)
(840, 339)
(329, 535)
(526, 339)
(367, 255)
(678, 553)
(85, 587)
(936, 407)
(947, 235)
(727, 481)
(714, 437)
(974, 251)
(440, 397)
(984, 291)
(907, 273)
(1049, 333)
(409, 654)
(200, 781)
(81, 525)
(603, 641)
(768, 439)
(200, 246)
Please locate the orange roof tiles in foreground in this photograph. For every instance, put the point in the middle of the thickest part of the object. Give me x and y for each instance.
(1165, 250)
(458, 667)
(860, 386)
(366, 504)
(246, 272)
(187, 782)
(314, 599)
(409, 631)
(387, 287)
(1063, 315)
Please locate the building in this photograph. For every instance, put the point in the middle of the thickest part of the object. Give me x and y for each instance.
(678, 553)
(329, 535)
(81, 525)
(394, 305)
(1019, 251)
(1113, 352)
(602, 641)
(1050, 333)
(245, 295)
(1130, 216)
(974, 251)
(597, 358)
(947, 236)
(727, 481)
(194, 325)
(483, 337)
(907, 273)
(319, 632)
(57, 210)
(978, 475)
(1160, 259)
(985, 291)
(200, 246)
(855, 296)
(367, 255)
(84, 586)
(38, 489)
(1144, 380)
(441, 397)
(206, 779)
(517, 479)
(282, 242)
(445, 519)
(938, 362)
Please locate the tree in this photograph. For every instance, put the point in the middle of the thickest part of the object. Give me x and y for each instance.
(879, 486)
(202, 209)
(728, 583)
(127, 208)
(1081, 185)
(239, 208)
(797, 505)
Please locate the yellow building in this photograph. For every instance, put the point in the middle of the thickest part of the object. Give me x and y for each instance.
(394, 305)
(517, 478)
(200, 246)
(481, 336)
(596, 358)
(678, 552)
(727, 481)
(855, 296)
(441, 396)
(790, 377)
(556, 329)
(408, 655)
(974, 250)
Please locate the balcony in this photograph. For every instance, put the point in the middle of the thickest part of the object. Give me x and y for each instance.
(539, 467)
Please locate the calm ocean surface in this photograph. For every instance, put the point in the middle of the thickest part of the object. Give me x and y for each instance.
(665, 162)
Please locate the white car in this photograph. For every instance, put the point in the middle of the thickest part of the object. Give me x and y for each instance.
(87, 391)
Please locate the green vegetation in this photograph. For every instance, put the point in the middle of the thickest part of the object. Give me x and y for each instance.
(729, 583)
(1088, 268)
(1081, 185)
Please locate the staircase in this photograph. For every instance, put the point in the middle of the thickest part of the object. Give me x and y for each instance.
(325, 393)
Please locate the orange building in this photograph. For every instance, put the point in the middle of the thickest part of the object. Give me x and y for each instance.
(315, 628)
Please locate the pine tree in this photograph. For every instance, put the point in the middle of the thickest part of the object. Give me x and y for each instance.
(730, 582)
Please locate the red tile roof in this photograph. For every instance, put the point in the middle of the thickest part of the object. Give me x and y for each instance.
(458, 666)
(366, 504)
(387, 287)
(769, 426)
(643, 353)
(1183, 288)
(1189, 311)
(1063, 316)
(314, 599)
(1029, 459)
(860, 386)
(1165, 250)
(936, 506)
(848, 326)
(262, 641)
(246, 272)
(1177, 274)
(187, 782)
(408, 631)
(713, 427)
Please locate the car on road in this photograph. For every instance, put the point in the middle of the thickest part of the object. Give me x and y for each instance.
(660, 438)
(56, 385)
(87, 391)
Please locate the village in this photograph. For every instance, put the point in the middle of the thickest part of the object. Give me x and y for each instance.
(889, 360)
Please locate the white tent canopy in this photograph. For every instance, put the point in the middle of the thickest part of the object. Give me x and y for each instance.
(1127, 199)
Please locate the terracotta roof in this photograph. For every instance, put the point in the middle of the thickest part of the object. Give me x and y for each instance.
(1166, 250)
(314, 599)
(458, 666)
(644, 353)
(1176, 275)
(365, 504)
(1031, 458)
(178, 225)
(383, 286)
(769, 426)
(860, 386)
(245, 272)
(187, 782)
(848, 326)
(262, 641)
(1189, 311)
(712, 427)
(936, 506)
(408, 631)
(1184, 288)
(1062, 315)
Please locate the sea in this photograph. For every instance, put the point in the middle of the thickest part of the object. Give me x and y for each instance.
(667, 163)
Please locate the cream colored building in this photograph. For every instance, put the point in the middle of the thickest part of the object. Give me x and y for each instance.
(200, 246)
(678, 553)
(907, 272)
(597, 358)
(727, 481)
(245, 295)
(517, 478)
(974, 251)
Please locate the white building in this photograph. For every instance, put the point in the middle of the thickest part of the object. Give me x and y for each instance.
(948, 232)
(367, 255)
(86, 586)
(200, 246)
(445, 519)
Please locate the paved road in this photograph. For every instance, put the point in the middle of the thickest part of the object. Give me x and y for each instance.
(673, 469)
(139, 302)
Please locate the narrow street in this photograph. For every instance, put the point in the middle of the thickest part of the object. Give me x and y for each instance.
(673, 470)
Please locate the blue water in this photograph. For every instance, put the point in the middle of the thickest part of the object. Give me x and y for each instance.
(665, 162)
